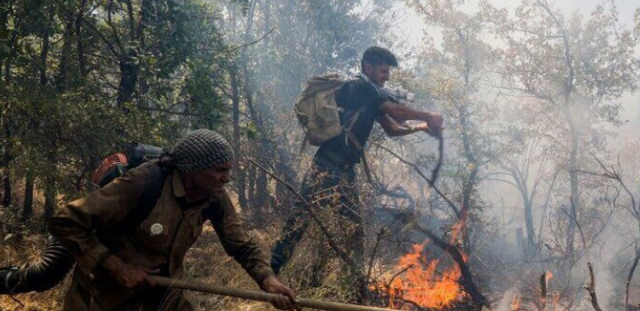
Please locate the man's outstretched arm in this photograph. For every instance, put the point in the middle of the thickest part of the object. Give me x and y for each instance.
(402, 112)
(248, 254)
(393, 129)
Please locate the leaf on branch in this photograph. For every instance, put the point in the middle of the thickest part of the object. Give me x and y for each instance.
(4, 49)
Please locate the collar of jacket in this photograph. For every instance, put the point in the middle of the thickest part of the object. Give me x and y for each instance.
(365, 78)
(181, 194)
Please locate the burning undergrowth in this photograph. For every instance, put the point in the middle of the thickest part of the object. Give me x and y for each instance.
(422, 283)
(424, 280)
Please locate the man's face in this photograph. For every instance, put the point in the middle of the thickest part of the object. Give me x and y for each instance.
(378, 74)
(212, 181)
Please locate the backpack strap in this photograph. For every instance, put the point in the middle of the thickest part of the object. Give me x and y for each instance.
(150, 194)
(350, 137)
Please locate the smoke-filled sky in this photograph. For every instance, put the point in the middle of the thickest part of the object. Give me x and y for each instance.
(625, 7)
(411, 26)
(410, 29)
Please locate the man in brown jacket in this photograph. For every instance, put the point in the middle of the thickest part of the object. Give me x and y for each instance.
(114, 256)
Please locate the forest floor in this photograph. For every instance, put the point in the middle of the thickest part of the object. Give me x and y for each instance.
(206, 262)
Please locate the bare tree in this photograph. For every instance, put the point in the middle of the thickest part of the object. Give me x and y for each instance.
(554, 62)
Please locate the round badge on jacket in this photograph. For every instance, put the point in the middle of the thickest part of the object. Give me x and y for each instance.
(156, 229)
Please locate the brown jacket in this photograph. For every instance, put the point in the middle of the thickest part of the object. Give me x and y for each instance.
(87, 228)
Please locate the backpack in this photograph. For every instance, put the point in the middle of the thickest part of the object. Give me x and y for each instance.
(317, 110)
(319, 114)
(118, 164)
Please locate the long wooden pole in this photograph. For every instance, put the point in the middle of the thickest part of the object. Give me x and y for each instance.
(259, 296)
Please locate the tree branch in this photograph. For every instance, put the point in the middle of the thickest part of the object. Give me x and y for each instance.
(427, 179)
(307, 206)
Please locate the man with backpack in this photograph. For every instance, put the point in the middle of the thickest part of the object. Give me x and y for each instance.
(338, 116)
(116, 243)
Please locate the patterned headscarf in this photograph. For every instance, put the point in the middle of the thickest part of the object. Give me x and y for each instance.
(201, 150)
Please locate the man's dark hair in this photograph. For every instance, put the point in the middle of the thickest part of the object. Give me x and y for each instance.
(376, 55)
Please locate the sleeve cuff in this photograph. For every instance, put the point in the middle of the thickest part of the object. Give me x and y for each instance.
(260, 274)
(92, 258)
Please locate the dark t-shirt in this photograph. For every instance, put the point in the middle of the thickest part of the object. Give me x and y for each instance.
(351, 96)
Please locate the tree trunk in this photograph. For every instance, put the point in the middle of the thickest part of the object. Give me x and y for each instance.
(238, 171)
(262, 195)
(128, 78)
(232, 19)
(1, 83)
(251, 192)
(129, 67)
(145, 6)
(62, 85)
(82, 64)
(530, 250)
(6, 126)
(62, 82)
(470, 183)
(6, 182)
(575, 187)
(2, 122)
(6, 157)
(50, 190)
(629, 278)
(266, 8)
(144, 20)
(27, 208)
(43, 58)
(271, 149)
(251, 176)
(50, 194)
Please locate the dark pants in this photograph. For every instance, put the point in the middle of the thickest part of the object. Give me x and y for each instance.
(326, 185)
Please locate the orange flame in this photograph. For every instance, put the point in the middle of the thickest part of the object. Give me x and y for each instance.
(422, 284)
(555, 305)
(516, 302)
(549, 275)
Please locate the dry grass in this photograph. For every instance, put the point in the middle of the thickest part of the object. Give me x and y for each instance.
(22, 243)
(206, 262)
